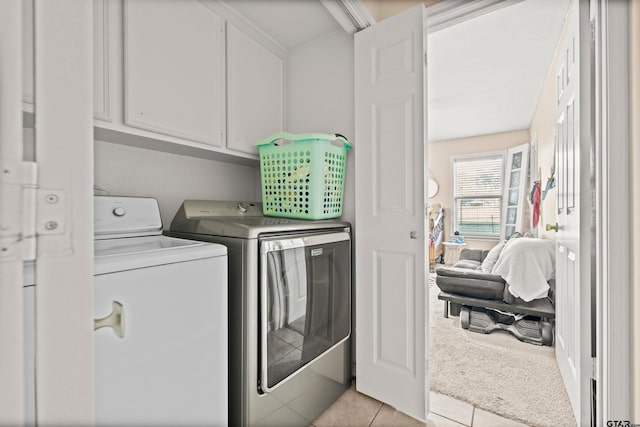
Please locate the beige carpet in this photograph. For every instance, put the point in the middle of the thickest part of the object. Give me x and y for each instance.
(496, 372)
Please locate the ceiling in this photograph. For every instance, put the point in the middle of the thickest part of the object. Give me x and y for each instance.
(290, 22)
(485, 75)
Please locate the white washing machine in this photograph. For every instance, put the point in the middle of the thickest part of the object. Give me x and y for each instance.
(161, 327)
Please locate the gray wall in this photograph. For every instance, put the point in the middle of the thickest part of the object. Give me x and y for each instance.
(170, 178)
(320, 96)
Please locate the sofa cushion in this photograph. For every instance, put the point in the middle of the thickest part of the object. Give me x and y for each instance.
(471, 264)
(492, 258)
(473, 254)
(469, 282)
(472, 287)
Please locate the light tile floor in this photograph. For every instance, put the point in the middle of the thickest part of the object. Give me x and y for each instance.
(354, 409)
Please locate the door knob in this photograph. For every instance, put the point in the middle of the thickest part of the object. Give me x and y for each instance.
(115, 320)
(550, 227)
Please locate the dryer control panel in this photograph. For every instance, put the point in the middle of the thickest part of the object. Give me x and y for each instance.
(216, 208)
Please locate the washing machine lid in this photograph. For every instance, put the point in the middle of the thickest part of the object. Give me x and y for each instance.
(239, 219)
(128, 253)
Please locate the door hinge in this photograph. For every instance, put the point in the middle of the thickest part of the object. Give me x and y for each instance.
(51, 212)
(593, 31)
(594, 368)
(18, 182)
(27, 211)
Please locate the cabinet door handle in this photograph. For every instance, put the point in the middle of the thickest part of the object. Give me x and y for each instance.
(115, 320)
(413, 234)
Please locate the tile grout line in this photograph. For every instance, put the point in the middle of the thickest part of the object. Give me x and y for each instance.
(455, 421)
(377, 412)
(473, 415)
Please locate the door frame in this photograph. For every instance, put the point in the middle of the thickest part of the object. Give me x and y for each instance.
(12, 233)
(610, 257)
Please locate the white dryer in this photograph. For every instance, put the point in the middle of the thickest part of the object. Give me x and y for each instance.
(161, 327)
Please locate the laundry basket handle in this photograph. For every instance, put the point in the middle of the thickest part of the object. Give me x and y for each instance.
(293, 137)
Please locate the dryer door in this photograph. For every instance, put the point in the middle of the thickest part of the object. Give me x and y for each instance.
(305, 301)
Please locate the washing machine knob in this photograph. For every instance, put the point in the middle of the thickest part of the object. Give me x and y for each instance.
(243, 208)
(119, 211)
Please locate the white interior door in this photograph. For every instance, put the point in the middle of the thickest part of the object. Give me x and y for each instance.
(573, 306)
(12, 403)
(390, 159)
(63, 70)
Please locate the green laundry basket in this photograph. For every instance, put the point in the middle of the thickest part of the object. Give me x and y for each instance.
(303, 174)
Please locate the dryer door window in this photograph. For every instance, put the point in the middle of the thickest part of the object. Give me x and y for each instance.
(305, 301)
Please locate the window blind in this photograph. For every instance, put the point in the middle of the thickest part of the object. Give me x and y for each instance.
(478, 177)
(478, 195)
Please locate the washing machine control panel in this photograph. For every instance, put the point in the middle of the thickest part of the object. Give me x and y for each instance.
(126, 216)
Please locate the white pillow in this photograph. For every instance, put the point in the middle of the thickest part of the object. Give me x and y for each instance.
(492, 257)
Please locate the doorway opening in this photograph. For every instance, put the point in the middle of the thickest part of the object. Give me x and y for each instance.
(476, 94)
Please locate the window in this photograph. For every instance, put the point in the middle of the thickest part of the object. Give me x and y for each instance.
(477, 194)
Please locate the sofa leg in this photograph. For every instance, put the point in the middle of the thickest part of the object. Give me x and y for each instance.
(454, 308)
(446, 309)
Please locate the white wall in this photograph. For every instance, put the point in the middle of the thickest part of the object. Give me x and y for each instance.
(170, 178)
(320, 96)
(440, 154)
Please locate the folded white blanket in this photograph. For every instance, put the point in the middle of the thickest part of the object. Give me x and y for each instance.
(526, 264)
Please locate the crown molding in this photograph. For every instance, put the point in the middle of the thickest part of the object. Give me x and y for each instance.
(352, 15)
(447, 13)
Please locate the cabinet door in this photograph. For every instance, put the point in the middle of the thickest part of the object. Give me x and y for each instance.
(174, 69)
(101, 60)
(101, 101)
(255, 91)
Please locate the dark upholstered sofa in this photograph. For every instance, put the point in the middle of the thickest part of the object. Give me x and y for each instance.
(470, 288)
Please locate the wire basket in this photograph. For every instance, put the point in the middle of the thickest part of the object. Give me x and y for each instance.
(303, 174)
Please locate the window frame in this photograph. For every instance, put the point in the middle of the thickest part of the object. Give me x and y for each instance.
(502, 155)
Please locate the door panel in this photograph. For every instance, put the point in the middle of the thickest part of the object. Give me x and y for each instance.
(568, 230)
(393, 334)
(394, 170)
(573, 349)
(390, 238)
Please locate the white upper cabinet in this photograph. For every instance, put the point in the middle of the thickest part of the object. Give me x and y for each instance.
(255, 77)
(102, 107)
(101, 61)
(203, 78)
(174, 69)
